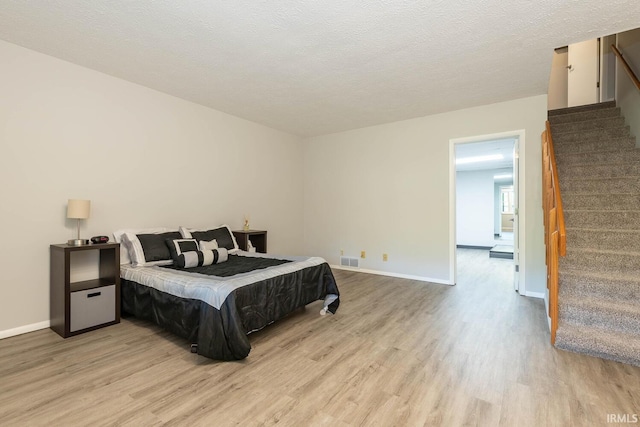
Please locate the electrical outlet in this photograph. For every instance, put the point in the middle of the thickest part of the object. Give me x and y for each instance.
(363, 254)
(341, 252)
(385, 257)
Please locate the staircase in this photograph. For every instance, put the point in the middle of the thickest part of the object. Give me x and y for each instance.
(599, 175)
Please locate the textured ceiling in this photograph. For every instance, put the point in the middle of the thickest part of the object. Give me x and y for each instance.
(313, 67)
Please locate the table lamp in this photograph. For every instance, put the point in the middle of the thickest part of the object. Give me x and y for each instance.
(78, 209)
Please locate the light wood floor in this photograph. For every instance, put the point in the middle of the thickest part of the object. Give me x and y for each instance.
(398, 352)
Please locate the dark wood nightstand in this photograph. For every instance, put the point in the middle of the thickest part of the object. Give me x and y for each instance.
(258, 239)
(77, 307)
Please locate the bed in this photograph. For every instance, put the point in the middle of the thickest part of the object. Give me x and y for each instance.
(215, 306)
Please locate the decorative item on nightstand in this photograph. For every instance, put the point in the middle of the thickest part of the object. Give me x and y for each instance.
(78, 209)
(99, 239)
(245, 227)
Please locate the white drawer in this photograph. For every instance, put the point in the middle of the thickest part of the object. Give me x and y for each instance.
(92, 307)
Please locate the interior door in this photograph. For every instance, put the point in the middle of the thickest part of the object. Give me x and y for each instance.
(583, 73)
(516, 214)
(607, 69)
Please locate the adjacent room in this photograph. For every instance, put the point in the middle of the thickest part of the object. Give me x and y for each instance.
(486, 197)
(251, 214)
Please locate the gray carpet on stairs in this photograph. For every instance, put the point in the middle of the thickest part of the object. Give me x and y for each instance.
(599, 173)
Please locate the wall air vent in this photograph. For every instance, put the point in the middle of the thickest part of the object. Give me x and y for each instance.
(346, 261)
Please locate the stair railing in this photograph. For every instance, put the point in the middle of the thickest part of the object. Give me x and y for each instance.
(555, 235)
(626, 66)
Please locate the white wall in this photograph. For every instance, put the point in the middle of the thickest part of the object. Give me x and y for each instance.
(469, 186)
(627, 95)
(386, 189)
(142, 157)
(558, 80)
(475, 208)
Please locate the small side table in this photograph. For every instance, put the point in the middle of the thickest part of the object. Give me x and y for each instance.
(78, 307)
(258, 239)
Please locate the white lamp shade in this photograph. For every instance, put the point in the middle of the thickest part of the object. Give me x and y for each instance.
(78, 209)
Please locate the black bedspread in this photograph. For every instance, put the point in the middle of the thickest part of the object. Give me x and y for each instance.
(222, 333)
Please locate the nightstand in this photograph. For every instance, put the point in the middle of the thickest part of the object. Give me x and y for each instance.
(82, 306)
(258, 239)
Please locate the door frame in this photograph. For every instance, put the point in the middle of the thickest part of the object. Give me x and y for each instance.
(519, 252)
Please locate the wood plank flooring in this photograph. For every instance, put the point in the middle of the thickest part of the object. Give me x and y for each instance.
(397, 353)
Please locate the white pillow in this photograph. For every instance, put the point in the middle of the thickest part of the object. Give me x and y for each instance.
(124, 252)
(208, 246)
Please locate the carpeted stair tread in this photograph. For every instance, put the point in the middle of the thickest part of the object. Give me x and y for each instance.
(616, 316)
(604, 230)
(610, 219)
(597, 284)
(580, 116)
(620, 185)
(590, 134)
(602, 201)
(586, 251)
(584, 302)
(598, 150)
(602, 170)
(581, 108)
(597, 157)
(604, 260)
(604, 239)
(620, 347)
(607, 122)
(579, 146)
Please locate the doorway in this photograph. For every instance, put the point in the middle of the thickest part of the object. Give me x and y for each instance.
(504, 215)
(485, 203)
(582, 73)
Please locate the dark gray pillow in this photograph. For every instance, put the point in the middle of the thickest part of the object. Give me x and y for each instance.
(154, 246)
(221, 234)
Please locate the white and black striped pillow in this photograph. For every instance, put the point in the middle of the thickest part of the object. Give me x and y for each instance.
(201, 258)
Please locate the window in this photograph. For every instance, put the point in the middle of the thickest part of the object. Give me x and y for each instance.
(506, 200)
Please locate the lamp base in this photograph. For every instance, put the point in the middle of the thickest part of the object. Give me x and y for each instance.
(78, 242)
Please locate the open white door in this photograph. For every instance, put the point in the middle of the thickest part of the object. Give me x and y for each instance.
(583, 73)
(607, 69)
(516, 214)
(518, 203)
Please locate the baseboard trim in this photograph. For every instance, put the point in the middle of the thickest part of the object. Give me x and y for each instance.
(473, 247)
(397, 275)
(24, 329)
(546, 308)
(534, 294)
